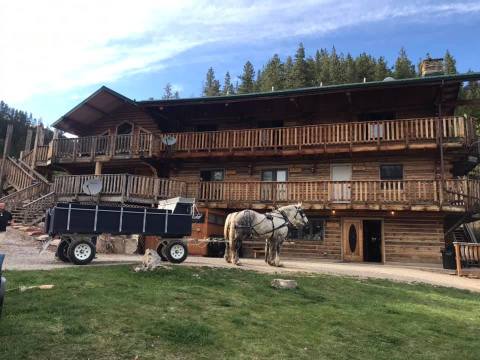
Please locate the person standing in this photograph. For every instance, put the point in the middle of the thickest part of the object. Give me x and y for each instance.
(5, 220)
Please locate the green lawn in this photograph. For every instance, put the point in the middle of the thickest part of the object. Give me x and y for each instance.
(192, 313)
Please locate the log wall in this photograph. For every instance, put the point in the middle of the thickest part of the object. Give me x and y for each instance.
(363, 168)
(408, 238)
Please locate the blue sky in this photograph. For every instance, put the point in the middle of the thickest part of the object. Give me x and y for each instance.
(63, 52)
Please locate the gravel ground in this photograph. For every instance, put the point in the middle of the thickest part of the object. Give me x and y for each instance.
(23, 254)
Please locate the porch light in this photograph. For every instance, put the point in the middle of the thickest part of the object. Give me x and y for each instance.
(392, 212)
(333, 212)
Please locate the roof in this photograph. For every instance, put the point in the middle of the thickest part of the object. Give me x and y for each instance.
(101, 103)
(429, 80)
(105, 100)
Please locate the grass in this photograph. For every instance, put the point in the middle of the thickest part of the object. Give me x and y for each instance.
(193, 313)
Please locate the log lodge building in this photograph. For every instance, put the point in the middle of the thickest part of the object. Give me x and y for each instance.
(382, 168)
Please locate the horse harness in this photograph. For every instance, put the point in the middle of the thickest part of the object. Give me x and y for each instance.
(270, 216)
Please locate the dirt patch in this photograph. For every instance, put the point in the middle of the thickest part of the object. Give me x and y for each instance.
(23, 254)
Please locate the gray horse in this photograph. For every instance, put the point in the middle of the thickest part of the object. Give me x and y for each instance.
(271, 228)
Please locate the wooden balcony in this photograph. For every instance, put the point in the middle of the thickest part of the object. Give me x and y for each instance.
(103, 148)
(326, 138)
(119, 188)
(417, 195)
(298, 140)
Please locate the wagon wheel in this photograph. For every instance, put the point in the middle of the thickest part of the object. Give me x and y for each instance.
(161, 251)
(176, 252)
(81, 251)
(62, 250)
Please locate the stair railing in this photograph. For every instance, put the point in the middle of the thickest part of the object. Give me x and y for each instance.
(34, 211)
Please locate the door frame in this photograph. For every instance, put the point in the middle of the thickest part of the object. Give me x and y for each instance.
(342, 240)
(382, 232)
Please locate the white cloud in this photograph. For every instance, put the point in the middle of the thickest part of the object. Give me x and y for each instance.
(60, 45)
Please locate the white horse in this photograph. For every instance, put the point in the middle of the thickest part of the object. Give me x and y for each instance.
(271, 228)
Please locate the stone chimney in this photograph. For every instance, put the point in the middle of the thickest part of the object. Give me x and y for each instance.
(429, 66)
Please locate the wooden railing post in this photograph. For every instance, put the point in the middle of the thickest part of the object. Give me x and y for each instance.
(458, 258)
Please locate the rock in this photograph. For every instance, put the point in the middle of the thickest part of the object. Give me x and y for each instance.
(43, 237)
(150, 261)
(284, 284)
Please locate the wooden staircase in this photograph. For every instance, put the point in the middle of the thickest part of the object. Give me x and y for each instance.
(33, 193)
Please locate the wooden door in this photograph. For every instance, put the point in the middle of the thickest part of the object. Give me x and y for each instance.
(341, 182)
(352, 239)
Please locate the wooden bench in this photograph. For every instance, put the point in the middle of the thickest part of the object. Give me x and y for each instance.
(467, 255)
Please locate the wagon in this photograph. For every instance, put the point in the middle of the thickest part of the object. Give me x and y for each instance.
(78, 226)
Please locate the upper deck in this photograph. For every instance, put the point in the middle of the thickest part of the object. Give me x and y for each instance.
(369, 136)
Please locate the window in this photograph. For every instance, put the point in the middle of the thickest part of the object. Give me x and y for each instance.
(274, 175)
(212, 175)
(391, 172)
(314, 231)
(216, 219)
(124, 128)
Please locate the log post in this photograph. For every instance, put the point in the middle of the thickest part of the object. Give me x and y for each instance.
(28, 140)
(38, 142)
(98, 168)
(6, 151)
(458, 258)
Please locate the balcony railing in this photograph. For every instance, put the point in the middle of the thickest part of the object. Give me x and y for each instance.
(336, 137)
(351, 136)
(108, 146)
(456, 195)
(119, 187)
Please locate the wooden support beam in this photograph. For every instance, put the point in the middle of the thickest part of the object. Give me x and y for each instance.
(28, 140)
(6, 150)
(98, 168)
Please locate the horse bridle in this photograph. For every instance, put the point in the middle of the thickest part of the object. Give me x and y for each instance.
(287, 220)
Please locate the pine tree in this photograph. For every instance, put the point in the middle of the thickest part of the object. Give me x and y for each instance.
(247, 79)
(272, 77)
(168, 93)
(450, 64)
(381, 69)
(365, 66)
(211, 87)
(322, 67)
(300, 69)
(336, 68)
(288, 71)
(350, 69)
(227, 85)
(404, 68)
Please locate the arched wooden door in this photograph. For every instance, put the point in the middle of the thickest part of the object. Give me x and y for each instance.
(352, 239)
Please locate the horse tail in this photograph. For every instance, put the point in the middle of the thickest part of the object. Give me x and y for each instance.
(231, 226)
(226, 227)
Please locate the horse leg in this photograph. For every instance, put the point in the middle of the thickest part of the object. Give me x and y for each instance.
(266, 250)
(277, 254)
(236, 249)
(228, 256)
(271, 251)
